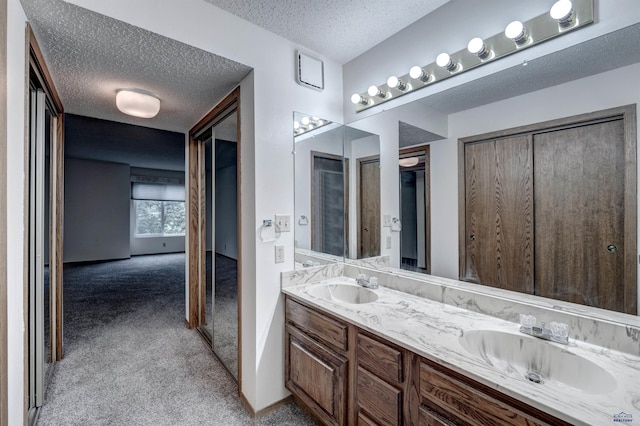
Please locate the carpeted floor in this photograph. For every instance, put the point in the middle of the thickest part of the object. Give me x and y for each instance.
(130, 360)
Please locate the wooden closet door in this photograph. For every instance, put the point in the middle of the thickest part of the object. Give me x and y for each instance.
(499, 213)
(579, 214)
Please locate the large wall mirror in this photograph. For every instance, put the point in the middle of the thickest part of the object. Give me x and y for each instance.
(448, 224)
(337, 192)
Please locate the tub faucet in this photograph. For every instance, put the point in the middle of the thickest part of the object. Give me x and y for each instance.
(370, 282)
(559, 331)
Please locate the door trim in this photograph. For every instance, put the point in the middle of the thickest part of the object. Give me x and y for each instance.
(628, 114)
(37, 65)
(196, 220)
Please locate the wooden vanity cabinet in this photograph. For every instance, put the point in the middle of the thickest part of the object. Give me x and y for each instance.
(343, 375)
(316, 362)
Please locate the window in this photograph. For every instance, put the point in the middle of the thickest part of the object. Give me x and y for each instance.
(159, 209)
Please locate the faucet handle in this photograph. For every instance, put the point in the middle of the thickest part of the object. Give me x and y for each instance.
(559, 329)
(527, 320)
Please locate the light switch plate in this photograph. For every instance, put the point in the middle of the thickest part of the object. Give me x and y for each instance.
(283, 221)
(279, 254)
(386, 220)
(388, 242)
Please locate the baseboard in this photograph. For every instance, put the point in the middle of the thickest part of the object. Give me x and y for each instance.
(266, 410)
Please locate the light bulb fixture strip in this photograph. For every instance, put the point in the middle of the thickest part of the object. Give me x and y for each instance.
(308, 123)
(536, 30)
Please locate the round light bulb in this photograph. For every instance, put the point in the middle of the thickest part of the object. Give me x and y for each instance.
(443, 60)
(373, 90)
(305, 121)
(393, 81)
(476, 45)
(415, 72)
(562, 11)
(356, 98)
(515, 31)
(296, 125)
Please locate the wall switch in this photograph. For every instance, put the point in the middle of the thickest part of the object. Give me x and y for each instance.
(386, 220)
(388, 242)
(279, 254)
(283, 221)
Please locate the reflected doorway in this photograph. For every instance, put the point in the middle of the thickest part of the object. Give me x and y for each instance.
(415, 237)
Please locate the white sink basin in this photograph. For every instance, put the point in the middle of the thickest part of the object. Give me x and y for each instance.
(542, 363)
(344, 293)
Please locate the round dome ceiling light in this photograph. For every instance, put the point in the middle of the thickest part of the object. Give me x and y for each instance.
(137, 103)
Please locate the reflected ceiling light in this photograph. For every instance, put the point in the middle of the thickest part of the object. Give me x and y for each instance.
(296, 125)
(562, 12)
(396, 83)
(444, 61)
(357, 99)
(517, 32)
(417, 73)
(478, 47)
(409, 161)
(305, 121)
(376, 91)
(137, 103)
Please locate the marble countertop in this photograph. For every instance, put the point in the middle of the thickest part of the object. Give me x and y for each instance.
(434, 330)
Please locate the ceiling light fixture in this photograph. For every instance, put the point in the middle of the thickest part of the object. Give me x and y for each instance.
(409, 161)
(562, 11)
(444, 61)
(478, 47)
(395, 83)
(137, 103)
(517, 32)
(418, 73)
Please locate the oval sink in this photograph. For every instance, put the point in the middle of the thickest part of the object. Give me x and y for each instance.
(344, 293)
(538, 361)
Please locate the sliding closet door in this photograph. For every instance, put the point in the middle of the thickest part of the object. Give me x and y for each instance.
(499, 213)
(579, 233)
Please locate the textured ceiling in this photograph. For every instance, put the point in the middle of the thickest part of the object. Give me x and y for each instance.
(90, 56)
(337, 29)
(411, 135)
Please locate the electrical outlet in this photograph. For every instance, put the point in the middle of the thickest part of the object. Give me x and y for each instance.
(389, 242)
(279, 254)
(386, 220)
(284, 222)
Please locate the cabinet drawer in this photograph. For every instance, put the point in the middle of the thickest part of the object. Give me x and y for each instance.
(381, 359)
(462, 403)
(429, 418)
(363, 420)
(380, 400)
(317, 325)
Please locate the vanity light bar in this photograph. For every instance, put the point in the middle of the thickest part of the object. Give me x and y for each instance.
(565, 16)
(307, 124)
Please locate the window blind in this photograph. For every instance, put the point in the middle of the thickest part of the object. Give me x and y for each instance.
(159, 192)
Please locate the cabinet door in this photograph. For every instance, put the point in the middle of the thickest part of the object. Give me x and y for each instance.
(317, 376)
(499, 213)
(579, 192)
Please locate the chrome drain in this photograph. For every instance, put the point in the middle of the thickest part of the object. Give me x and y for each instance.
(533, 377)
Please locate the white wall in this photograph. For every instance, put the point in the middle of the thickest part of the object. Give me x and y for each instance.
(16, 81)
(96, 210)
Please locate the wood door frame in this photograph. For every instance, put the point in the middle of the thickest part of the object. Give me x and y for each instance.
(196, 216)
(312, 207)
(359, 161)
(427, 198)
(628, 114)
(4, 383)
(37, 66)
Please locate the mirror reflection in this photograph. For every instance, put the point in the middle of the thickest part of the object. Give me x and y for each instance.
(337, 192)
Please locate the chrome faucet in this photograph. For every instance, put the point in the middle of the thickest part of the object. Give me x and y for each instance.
(559, 331)
(370, 282)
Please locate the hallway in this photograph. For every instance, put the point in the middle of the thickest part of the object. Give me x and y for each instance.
(129, 359)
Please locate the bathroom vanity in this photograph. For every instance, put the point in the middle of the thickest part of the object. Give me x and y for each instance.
(391, 357)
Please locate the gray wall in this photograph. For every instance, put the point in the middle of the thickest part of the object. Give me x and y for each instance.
(96, 206)
(227, 212)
